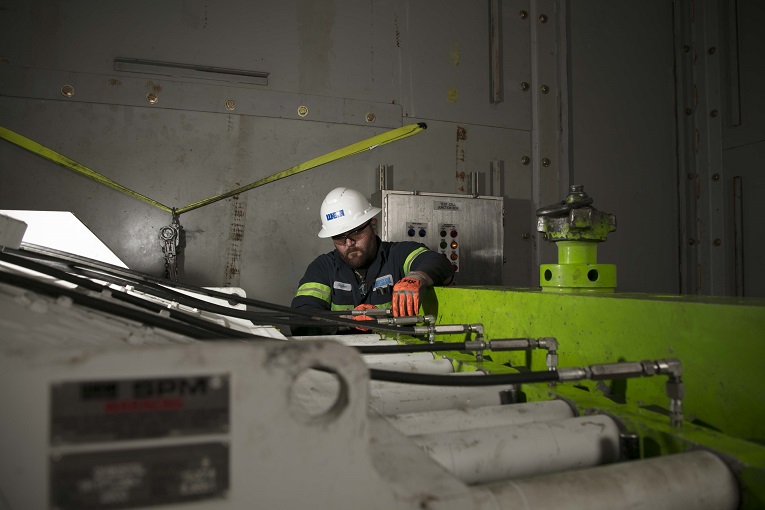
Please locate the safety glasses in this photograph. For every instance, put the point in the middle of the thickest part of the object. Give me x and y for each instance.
(354, 235)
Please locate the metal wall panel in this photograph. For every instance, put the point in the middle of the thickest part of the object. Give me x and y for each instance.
(467, 230)
(624, 132)
(341, 59)
(451, 41)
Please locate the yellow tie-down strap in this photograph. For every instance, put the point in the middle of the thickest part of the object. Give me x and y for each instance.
(71, 164)
(368, 144)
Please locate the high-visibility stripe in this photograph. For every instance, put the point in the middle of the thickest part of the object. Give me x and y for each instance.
(411, 257)
(342, 308)
(316, 290)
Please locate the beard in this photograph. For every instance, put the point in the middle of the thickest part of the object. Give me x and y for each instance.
(358, 256)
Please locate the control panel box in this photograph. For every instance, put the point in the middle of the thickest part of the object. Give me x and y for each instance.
(467, 230)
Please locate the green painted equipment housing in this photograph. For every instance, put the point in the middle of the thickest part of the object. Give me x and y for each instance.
(719, 341)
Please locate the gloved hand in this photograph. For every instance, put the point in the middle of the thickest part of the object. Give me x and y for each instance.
(363, 306)
(406, 295)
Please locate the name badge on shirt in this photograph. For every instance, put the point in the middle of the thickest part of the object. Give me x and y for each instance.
(383, 281)
(342, 286)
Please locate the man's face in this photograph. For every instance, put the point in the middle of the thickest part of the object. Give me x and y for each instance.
(357, 247)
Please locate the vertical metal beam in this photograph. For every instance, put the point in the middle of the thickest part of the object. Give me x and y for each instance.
(497, 170)
(687, 178)
(732, 56)
(550, 113)
(700, 122)
(496, 94)
(738, 237)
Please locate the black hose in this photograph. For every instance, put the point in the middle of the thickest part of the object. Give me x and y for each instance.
(151, 285)
(209, 331)
(458, 380)
(407, 348)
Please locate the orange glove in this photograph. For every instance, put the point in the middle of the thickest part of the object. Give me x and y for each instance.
(406, 296)
(363, 306)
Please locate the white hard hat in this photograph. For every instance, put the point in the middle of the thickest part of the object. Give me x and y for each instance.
(344, 209)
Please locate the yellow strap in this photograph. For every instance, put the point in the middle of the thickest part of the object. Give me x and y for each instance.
(356, 148)
(54, 156)
(368, 144)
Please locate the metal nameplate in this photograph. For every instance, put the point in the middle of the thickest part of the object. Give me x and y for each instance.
(138, 478)
(446, 206)
(147, 408)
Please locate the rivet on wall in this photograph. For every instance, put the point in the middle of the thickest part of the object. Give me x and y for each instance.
(371, 117)
(545, 89)
(302, 110)
(525, 160)
(230, 104)
(545, 162)
(523, 14)
(524, 86)
(152, 98)
(67, 91)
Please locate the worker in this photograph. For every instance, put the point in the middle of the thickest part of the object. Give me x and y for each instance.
(364, 272)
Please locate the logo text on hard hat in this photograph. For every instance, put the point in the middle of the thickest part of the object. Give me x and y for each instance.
(335, 215)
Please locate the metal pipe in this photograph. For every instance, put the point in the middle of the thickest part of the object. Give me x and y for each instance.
(697, 480)
(375, 359)
(451, 420)
(431, 366)
(498, 453)
(390, 398)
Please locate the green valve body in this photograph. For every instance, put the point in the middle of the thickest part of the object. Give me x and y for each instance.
(577, 228)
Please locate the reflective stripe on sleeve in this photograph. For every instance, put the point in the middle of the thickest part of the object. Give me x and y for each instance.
(314, 289)
(411, 257)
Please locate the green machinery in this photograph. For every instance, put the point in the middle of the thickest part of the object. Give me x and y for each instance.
(718, 341)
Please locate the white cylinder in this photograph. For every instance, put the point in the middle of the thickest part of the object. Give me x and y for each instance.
(431, 366)
(499, 453)
(365, 339)
(404, 356)
(450, 420)
(695, 481)
(394, 398)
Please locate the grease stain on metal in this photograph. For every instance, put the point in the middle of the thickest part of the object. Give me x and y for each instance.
(235, 241)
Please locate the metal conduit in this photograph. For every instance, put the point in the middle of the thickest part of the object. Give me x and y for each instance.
(498, 453)
(696, 480)
(451, 420)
